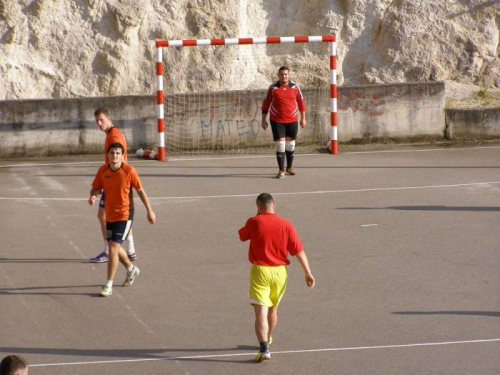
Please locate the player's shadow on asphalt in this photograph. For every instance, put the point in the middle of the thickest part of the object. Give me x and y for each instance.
(495, 314)
(41, 290)
(428, 208)
(147, 354)
(43, 260)
(181, 175)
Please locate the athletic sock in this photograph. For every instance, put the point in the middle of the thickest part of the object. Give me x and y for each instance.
(289, 158)
(130, 268)
(280, 156)
(264, 346)
(109, 283)
(106, 247)
(131, 247)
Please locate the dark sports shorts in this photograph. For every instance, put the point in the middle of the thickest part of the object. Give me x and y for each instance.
(101, 202)
(118, 230)
(281, 130)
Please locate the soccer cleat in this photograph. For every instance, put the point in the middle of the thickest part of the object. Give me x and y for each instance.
(132, 257)
(262, 356)
(129, 280)
(290, 171)
(106, 291)
(101, 258)
(281, 174)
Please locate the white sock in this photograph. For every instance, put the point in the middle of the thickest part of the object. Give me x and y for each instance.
(106, 247)
(109, 283)
(130, 248)
(130, 268)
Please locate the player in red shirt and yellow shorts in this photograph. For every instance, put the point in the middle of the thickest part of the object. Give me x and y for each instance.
(272, 238)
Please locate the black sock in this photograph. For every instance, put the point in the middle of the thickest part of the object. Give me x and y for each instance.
(289, 159)
(281, 160)
(264, 346)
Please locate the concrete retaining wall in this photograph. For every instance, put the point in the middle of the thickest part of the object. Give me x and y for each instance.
(366, 113)
(473, 124)
(403, 112)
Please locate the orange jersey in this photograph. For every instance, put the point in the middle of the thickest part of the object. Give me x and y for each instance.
(117, 185)
(114, 135)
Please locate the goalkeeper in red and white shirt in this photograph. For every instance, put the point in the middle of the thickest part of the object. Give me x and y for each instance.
(284, 101)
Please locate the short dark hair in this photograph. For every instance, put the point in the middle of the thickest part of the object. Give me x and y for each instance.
(101, 111)
(116, 145)
(11, 364)
(284, 67)
(264, 199)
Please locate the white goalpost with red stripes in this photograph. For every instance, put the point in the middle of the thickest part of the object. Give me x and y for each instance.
(160, 154)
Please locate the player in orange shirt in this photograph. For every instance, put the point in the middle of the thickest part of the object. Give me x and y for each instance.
(113, 135)
(118, 178)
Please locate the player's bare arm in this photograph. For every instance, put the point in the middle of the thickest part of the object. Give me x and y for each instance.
(93, 196)
(264, 123)
(304, 263)
(303, 121)
(145, 200)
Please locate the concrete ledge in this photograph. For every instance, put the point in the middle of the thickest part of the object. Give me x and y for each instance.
(407, 111)
(473, 124)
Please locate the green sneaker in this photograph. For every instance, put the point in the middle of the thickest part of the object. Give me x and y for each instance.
(106, 291)
(270, 341)
(262, 356)
(129, 280)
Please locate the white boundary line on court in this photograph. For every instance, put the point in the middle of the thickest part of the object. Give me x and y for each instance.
(275, 194)
(253, 156)
(479, 341)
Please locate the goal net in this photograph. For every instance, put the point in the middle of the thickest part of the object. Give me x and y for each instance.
(210, 93)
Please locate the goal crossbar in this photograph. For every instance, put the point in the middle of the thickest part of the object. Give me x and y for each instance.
(160, 44)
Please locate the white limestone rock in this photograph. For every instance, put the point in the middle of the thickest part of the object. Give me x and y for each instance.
(82, 48)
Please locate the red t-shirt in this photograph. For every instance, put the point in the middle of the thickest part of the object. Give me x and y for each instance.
(284, 102)
(271, 239)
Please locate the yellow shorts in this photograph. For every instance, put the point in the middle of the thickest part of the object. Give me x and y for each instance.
(267, 285)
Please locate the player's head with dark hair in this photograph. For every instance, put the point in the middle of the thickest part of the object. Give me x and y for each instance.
(284, 75)
(112, 146)
(13, 365)
(101, 111)
(265, 201)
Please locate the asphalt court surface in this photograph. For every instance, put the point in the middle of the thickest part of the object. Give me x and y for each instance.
(403, 242)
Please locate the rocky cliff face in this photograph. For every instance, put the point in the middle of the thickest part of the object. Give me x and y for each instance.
(74, 48)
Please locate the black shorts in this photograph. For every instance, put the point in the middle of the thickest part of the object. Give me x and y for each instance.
(101, 202)
(118, 230)
(281, 130)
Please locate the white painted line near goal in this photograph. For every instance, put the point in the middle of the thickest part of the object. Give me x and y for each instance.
(275, 194)
(369, 225)
(421, 150)
(208, 158)
(397, 346)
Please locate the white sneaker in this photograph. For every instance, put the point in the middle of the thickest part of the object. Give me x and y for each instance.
(106, 291)
(129, 280)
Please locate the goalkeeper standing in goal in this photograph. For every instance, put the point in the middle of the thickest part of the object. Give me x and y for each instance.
(284, 101)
